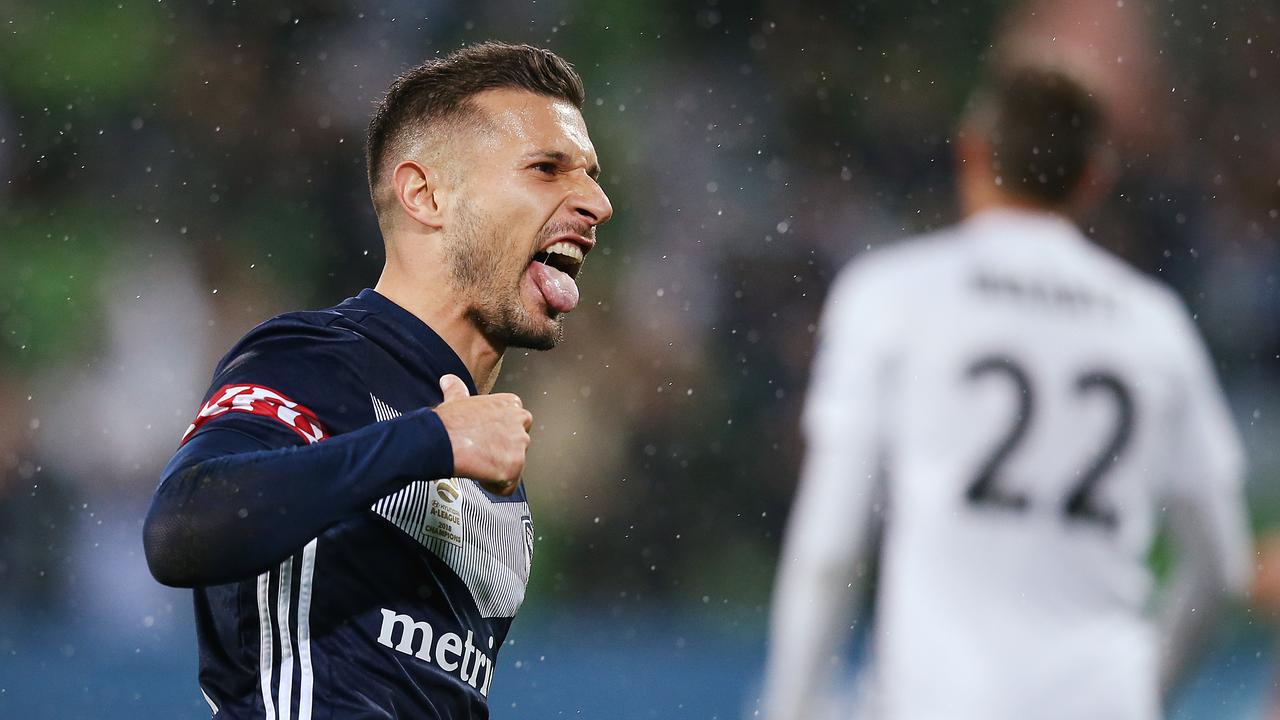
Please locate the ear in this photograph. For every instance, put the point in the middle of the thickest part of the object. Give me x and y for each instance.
(972, 151)
(420, 194)
(1100, 175)
(973, 173)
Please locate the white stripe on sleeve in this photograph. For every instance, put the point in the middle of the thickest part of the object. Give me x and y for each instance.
(286, 645)
(265, 635)
(304, 630)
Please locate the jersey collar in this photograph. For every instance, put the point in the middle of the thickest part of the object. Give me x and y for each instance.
(1022, 219)
(411, 337)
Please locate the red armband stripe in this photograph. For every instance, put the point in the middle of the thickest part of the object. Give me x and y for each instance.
(263, 401)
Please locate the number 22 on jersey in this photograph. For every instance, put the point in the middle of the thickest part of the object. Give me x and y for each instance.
(990, 490)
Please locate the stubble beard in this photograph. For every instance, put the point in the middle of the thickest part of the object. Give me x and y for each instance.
(490, 291)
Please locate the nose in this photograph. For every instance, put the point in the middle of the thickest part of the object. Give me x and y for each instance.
(589, 201)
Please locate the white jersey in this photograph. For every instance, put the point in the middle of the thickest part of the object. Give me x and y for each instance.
(1017, 406)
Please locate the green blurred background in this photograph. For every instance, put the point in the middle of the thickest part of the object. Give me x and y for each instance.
(176, 172)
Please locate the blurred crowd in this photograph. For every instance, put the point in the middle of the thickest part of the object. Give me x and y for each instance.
(174, 173)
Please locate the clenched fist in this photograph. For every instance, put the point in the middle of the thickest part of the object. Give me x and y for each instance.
(489, 434)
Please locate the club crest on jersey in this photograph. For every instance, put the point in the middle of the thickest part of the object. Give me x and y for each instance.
(528, 544)
(264, 401)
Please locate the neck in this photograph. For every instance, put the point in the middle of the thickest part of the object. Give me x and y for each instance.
(981, 196)
(429, 296)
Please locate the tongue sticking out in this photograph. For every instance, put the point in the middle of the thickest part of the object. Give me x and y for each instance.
(558, 289)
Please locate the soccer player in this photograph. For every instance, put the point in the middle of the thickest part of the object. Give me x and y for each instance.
(1012, 412)
(348, 503)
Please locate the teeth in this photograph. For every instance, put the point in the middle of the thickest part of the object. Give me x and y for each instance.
(564, 247)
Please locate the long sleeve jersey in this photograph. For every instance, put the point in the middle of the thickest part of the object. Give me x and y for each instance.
(339, 571)
(1014, 412)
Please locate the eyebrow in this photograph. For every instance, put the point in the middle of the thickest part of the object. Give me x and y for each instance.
(563, 158)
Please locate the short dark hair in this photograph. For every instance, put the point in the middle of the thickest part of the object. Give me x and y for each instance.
(1043, 127)
(441, 90)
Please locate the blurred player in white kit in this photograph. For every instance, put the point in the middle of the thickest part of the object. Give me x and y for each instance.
(1013, 413)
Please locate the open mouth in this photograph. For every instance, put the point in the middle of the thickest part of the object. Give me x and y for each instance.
(564, 256)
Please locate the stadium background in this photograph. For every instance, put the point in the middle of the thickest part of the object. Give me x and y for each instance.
(174, 173)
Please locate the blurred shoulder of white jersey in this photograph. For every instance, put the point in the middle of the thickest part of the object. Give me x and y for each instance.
(1028, 254)
(882, 280)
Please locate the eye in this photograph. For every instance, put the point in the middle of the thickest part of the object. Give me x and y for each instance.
(548, 168)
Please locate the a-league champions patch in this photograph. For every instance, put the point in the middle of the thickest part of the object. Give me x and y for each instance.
(444, 512)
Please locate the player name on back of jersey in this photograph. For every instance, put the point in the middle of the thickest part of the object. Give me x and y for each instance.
(1047, 293)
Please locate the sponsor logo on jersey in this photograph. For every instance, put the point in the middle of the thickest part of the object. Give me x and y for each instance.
(259, 400)
(453, 654)
(447, 492)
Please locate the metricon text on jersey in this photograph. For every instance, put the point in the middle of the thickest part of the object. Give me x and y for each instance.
(439, 650)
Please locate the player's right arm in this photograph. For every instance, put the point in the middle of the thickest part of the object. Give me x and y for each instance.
(833, 517)
(257, 476)
(1206, 514)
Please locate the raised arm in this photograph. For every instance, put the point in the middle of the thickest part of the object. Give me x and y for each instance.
(228, 506)
(258, 475)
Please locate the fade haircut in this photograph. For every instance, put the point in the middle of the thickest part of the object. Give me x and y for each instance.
(439, 92)
(1043, 127)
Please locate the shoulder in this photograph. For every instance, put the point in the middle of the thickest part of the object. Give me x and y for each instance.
(891, 272)
(323, 336)
(301, 372)
(1155, 313)
(316, 356)
(1172, 323)
(1155, 309)
(875, 297)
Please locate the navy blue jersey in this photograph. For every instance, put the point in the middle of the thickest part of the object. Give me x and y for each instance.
(398, 607)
